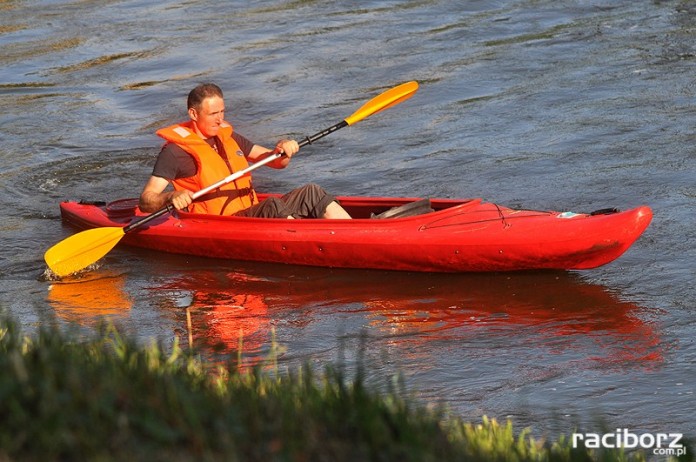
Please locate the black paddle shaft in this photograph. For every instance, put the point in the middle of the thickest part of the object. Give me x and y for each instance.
(323, 133)
(136, 224)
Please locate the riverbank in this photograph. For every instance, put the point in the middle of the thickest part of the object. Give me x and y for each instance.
(107, 398)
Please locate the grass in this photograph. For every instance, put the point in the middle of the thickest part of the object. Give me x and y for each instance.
(107, 398)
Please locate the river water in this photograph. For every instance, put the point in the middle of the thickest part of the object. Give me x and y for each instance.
(545, 104)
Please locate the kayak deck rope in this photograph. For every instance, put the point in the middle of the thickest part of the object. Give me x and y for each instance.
(505, 220)
(506, 225)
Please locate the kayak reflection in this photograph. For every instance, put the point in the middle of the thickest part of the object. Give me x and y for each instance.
(224, 315)
(415, 307)
(87, 299)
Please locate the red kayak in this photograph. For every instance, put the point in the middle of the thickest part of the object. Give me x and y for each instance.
(434, 235)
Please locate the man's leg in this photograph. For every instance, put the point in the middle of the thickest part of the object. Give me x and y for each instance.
(311, 201)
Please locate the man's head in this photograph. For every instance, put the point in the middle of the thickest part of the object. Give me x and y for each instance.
(206, 108)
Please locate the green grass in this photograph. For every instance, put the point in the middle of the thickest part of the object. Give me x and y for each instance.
(106, 398)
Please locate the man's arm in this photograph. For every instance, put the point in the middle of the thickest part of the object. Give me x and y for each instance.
(154, 196)
(289, 147)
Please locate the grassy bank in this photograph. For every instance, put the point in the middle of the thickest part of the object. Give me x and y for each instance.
(108, 399)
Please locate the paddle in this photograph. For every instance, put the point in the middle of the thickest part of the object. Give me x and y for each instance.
(84, 248)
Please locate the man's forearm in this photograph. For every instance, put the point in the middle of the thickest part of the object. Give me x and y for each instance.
(151, 201)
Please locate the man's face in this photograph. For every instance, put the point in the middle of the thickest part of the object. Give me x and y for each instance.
(209, 117)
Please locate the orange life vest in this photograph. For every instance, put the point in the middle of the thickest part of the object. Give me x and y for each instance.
(212, 167)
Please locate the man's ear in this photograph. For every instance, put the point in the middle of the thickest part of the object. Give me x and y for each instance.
(193, 114)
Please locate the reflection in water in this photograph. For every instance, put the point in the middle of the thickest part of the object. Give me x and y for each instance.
(86, 299)
(409, 308)
(223, 317)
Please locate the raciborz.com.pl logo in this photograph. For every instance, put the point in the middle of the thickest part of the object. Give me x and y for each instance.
(657, 443)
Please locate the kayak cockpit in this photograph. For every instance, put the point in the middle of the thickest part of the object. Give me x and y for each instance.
(357, 207)
(391, 208)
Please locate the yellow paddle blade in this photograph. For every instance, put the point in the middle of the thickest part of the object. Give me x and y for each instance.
(81, 250)
(383, 101)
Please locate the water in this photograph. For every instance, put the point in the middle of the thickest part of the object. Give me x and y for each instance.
(539, 104)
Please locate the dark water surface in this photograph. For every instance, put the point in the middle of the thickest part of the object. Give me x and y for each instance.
(548, 104)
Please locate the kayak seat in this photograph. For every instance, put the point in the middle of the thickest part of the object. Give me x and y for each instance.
(418, 207)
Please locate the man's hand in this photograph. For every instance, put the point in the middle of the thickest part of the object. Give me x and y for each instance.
(181, 199)
(287, 147)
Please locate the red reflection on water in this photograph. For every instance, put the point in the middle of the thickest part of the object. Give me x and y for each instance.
(233, 308)
(420, 308)
(223, 313)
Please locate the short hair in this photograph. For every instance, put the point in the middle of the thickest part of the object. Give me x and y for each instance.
(201, 92)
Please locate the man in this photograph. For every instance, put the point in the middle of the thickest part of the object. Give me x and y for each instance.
(206, 149)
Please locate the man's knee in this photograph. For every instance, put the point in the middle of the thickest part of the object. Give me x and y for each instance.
(312, 190)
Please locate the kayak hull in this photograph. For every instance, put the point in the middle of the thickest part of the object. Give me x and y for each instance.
(458, 236)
